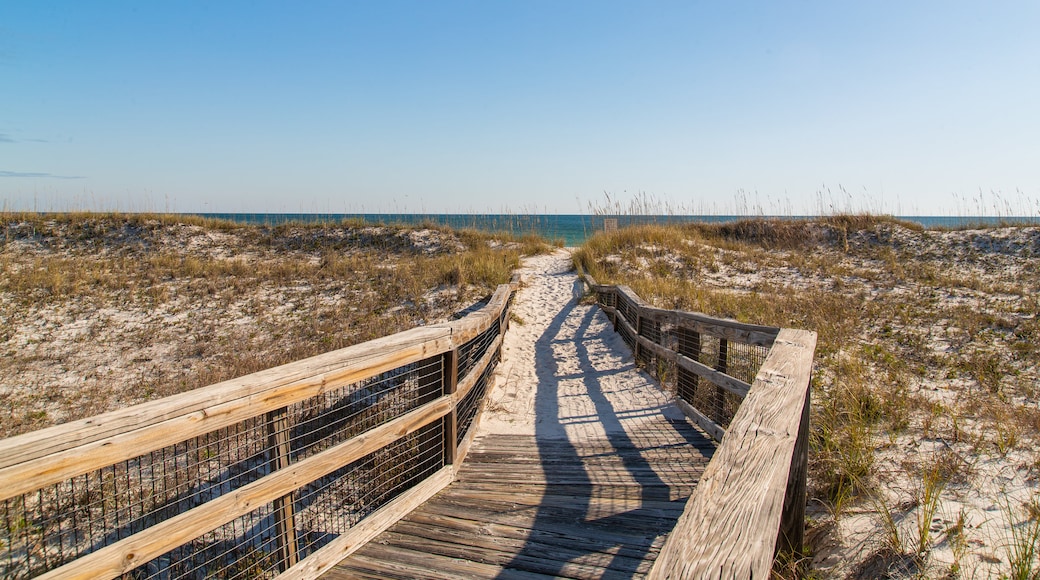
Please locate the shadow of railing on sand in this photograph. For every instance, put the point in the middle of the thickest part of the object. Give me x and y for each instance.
(619, 542)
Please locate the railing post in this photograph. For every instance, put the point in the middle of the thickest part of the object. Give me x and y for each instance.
(792, 522)
(450, 381)
(279, 447)
(721, 366)
(638, 351)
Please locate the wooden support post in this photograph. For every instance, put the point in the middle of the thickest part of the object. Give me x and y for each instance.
(450, 380)
(279, 448)
(720, 394)
(792, 522)
(636, 349)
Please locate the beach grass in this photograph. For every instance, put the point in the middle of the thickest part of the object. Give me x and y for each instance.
(929, 345)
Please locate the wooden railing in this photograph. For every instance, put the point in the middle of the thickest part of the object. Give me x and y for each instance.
(282, 471)
(748, 387)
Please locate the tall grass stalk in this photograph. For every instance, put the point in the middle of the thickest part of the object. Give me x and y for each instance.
(1022, 545)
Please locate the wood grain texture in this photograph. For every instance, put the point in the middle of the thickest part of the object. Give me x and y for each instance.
(521, 507)
(730, 526)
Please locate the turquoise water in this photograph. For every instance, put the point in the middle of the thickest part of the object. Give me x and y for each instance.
(572, 229)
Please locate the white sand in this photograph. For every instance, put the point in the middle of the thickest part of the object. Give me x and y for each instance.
(565, 373)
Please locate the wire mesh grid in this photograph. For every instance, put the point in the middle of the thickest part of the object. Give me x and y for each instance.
(629, 339)
(471, 403)
(252, 545)
(475, 348)
(52, 526)
(333, 504)
(334, 416)
(606, 298)
(245, 547)
(651, 329)
(687, 342)
(744, 360)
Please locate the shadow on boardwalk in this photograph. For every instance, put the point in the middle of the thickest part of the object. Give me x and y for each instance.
(591, 494)
(627, 454)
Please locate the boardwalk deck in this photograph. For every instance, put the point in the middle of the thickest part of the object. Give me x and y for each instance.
(524, 507)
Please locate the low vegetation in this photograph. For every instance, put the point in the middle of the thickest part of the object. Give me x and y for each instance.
(100, 311)
(926, 391)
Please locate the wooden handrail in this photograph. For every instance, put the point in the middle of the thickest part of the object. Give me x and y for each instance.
(750, 502)
(752, 494)
(54, 459)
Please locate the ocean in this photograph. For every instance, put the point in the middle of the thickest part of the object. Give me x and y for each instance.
(572, 229)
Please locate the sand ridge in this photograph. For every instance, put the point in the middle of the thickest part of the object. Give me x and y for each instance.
(565, 373)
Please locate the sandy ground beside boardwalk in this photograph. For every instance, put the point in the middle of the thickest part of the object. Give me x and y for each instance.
(565, 373)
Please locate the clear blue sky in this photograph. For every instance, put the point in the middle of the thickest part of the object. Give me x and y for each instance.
(525, 106)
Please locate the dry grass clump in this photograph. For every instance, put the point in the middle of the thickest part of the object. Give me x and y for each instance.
(929, 347)
(106, 310)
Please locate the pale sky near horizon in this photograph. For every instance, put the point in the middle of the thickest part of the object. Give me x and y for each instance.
(533, 106)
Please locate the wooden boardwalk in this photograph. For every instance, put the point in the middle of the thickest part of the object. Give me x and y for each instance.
(524, 507)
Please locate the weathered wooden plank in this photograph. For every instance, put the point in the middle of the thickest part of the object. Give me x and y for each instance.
(719, 327)
(554, 514)
(667, 498)
(373, 525)
(127, 554)
(387, 562)
(526, 555)
(730, 526)
(539, 563)
(562, 534)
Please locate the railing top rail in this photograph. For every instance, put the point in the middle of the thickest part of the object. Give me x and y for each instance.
(33, 460)
(723, 327)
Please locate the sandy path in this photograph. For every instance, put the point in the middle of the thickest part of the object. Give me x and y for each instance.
(565, 373)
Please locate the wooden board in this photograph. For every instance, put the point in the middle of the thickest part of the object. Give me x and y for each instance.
(527, 508)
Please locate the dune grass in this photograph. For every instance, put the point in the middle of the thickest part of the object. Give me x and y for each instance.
(926, 338)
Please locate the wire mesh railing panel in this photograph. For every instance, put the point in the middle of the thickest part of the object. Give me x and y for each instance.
(54, 525)
(332, 417)
(248, 546)
(471, 352)
(245, 547)
(744, 360)
(333, 504)
(606, 298)
(687, 342)
(651, 329)
(470, 405)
